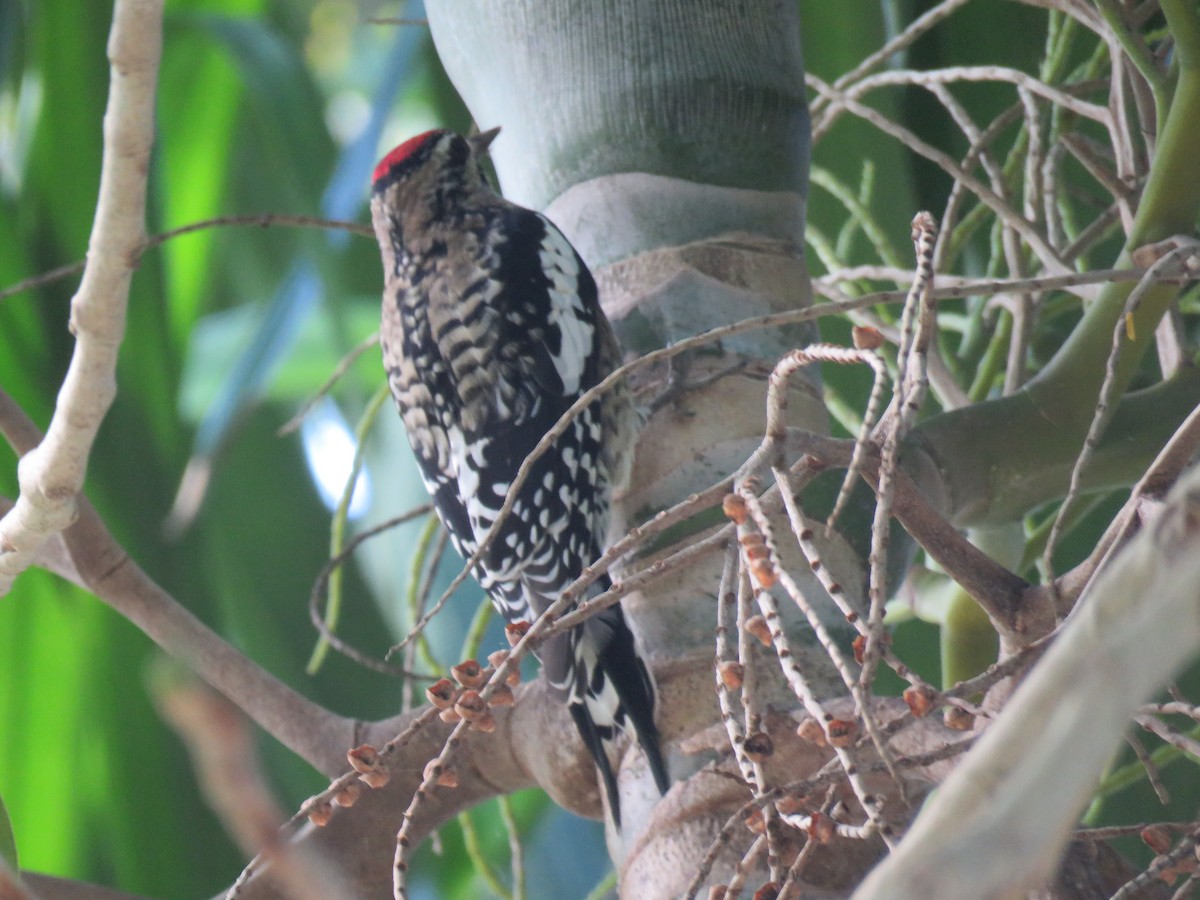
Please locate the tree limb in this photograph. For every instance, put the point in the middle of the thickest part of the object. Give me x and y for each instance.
(51, 476)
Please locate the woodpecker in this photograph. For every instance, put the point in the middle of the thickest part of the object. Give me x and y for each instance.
(491, 329)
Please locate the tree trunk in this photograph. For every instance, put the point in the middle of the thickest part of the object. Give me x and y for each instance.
(669, 141)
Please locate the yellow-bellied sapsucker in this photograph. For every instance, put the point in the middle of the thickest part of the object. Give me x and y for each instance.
(491, 330)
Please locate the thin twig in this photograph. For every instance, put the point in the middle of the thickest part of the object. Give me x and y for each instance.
(741, 871)
(910, 391)
(318, 589)
(1003, 210)
(515, 852)
(339, 370)
(919, 26)
(1152, 773)
(259, 220)
(1174, 708)
(767, 569)
(964, 74)
(728, 620)
(339, 522)
(42, 279)
(325, 799)
(858, 689)
(1179, 852)
(422, 570)
(1106, 403)
(1177, 739)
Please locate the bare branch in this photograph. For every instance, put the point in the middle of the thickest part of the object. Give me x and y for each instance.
(52, 475)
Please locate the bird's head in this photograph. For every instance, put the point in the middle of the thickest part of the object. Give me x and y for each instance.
(423, 181)
(439, 153)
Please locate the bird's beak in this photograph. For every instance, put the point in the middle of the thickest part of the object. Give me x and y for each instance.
(480, 142)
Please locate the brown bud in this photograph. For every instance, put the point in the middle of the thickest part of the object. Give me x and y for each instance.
(497, 659)
(758, 746)
(718, 892)
(443, 774)
(809, 730)
(1157, 838)
(1168, 873)
(789, 804)
(502, 695)
(754, 546)
(860, 648)
(731, 674)
(860, 644)
(514, 631)
(1145, 256)
(866, 338)
(924, 223)
(958, 719)
(441, 693)
(734, 508)
(755, 821)
(369, 766)
(813, 463)
(769, 891)
(919, 700)
(758, 627)
(485, 723)
(449, 716)
(320, 813)
(364, 758)
(470, 705)
(841, 732)
(763, 572)
(375, 780)
(821, 828)
(468, 673)
(348, 795)
(1164, 873)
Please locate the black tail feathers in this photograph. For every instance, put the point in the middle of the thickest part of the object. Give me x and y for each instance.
(617, 694)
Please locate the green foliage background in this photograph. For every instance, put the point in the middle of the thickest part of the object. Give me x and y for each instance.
(253, 105)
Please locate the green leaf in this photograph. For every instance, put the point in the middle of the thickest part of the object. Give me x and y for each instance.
(194, 164)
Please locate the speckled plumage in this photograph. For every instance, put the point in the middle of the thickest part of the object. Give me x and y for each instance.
(491, 329)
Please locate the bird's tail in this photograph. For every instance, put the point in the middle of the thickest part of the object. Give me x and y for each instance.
(614, 693)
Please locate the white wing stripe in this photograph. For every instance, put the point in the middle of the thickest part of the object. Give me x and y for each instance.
(566, 311)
